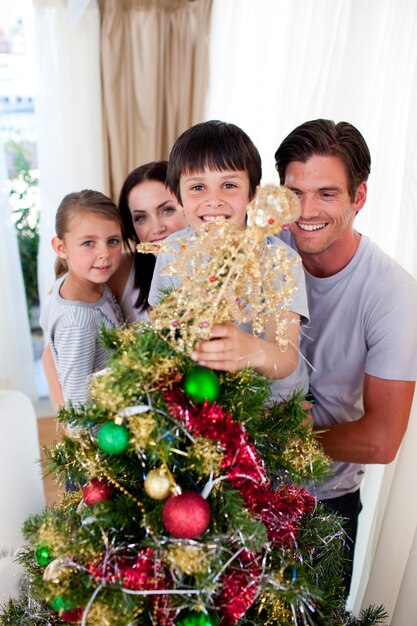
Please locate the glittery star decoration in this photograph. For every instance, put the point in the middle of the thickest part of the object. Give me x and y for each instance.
(226, 273)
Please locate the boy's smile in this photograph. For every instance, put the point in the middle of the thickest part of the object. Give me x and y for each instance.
(212, 195)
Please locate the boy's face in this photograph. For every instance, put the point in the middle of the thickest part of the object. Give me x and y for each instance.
(210, 195)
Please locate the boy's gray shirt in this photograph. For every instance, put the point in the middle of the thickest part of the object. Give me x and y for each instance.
(280, 389)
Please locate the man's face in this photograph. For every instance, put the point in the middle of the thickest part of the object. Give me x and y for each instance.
(327, 211)
(210, 195)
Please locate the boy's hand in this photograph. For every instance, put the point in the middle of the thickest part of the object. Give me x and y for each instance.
(230, 349)
(308, 420)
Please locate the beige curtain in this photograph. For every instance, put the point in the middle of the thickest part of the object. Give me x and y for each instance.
(154, 64)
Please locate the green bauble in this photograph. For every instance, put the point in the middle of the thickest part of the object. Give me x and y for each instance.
(43, 555)
(58, 603)
(113, 438)
(201, 384)
(196, 618)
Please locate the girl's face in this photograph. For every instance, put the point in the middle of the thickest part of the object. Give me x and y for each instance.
(92, 247)
(155, 213)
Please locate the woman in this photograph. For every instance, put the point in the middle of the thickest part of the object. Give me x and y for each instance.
(149, 213)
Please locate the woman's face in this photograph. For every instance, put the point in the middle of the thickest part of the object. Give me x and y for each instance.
(155, 213)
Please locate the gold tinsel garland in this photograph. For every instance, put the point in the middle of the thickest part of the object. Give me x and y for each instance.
(106, 390)
(141, 428)
(189, 559)
(226, 273)
(277, 610)
(210, 456)
(301, 455)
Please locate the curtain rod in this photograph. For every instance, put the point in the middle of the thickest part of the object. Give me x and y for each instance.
(128, 5)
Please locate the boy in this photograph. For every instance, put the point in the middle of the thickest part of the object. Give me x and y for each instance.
(213, 172)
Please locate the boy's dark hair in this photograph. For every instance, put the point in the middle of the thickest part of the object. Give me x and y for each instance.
(217, 145)
(325, 138)
(144, 263)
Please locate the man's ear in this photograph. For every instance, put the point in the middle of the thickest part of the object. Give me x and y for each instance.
(59, 247)
(360, 196)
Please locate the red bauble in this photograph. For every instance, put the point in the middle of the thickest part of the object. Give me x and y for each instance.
(186, 516)
(96, 491)
(72, 616)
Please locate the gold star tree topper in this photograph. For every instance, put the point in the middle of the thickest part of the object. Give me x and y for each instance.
(228, 274)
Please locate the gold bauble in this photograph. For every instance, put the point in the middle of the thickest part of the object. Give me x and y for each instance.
(158, 484)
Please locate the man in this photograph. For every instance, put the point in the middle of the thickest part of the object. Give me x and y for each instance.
(362, 338)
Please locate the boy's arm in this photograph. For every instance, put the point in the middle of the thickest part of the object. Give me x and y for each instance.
(231, 349)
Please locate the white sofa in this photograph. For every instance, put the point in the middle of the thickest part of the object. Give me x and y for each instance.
(21, 486)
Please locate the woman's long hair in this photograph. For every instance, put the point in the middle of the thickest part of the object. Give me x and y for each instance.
(144, 264)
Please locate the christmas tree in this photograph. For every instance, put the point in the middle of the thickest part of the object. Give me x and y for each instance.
(190, 510)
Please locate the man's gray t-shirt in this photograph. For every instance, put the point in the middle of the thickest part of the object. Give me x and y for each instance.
(283, 388)
(362, 320)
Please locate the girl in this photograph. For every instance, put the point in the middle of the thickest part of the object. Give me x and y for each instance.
(149, 213)
(88, 243)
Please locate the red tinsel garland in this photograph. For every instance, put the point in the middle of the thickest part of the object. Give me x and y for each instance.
(279, 510)
(239, 588)
(140, 572)
(136, 572)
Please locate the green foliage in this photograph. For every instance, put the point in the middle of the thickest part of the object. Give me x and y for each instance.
(15, 611)
(284, 440)
(231, 507)
(298, 573)
(26, 216)
(371, 615)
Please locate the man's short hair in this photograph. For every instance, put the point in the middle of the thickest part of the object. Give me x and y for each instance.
(326, 138)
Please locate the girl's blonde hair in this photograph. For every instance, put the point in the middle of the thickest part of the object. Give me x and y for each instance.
(86, 201)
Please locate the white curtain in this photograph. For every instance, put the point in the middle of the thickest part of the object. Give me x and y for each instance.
(68, 106)
(275, 65)
(16, 360)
